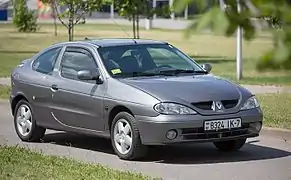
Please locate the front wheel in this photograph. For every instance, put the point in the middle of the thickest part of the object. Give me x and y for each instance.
(231, 145)
(125, 137)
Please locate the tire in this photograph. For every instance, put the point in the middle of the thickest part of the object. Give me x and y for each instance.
(137, 150)
(228, 146)
(36, 133)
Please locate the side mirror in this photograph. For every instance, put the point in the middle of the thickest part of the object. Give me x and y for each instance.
(88, 75)
(207, 67)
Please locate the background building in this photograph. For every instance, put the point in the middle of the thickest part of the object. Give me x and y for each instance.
(107, 11)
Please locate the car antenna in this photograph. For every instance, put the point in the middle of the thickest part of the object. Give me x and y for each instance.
(120, 27)
(123, 30)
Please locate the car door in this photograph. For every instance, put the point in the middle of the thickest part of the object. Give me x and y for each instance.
(78, 104)
(38, 84)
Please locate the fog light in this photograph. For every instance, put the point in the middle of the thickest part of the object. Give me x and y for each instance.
(172, 134)
(257, 126)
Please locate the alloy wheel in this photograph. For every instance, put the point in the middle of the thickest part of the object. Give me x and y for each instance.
(24, 120)
(123, 136)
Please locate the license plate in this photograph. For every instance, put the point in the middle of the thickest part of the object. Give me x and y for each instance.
(222, 124)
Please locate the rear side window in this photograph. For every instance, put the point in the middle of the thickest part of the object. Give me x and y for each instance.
(46, 61)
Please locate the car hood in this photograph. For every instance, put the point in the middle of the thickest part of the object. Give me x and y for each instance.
(190, 89)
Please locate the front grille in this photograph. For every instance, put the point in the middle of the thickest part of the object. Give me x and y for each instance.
(200, 134)
(227, 104)
(203, 105)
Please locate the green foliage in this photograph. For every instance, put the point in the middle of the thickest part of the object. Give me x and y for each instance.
(164, 11)
(131, 8)
(226, 21)
(24, 19)
(134, 9)
(76, 12)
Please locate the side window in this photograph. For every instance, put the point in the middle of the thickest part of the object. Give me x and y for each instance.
(74, 60)
(45, 62)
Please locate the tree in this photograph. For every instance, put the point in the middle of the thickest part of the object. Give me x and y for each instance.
(226, 20)
(133, 10)
(75, 13)
(23, 18)
(54, 14)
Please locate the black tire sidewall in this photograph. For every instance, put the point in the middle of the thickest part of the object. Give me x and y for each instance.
(135, 135)
(28, 137)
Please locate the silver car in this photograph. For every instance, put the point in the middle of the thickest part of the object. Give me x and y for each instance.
(135, 92)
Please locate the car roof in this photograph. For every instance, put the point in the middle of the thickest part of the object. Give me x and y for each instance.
(109, 42)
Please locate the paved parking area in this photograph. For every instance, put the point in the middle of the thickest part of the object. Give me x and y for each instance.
(267, 157)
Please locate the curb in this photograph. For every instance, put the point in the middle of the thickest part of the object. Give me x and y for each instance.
(2, 101)
(281, 133)
(276, 129)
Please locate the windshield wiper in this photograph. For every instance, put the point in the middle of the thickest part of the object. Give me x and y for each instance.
(142, 74)
(201, 72)
(171, 72)
(180, 71)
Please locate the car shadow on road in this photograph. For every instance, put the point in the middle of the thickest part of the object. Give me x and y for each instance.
(79, 141)
(202, 153)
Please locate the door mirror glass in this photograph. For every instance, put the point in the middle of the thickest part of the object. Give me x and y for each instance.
(207, 67)
(88, 75)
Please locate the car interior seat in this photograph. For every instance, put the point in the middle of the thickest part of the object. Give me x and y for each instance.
(129, 64)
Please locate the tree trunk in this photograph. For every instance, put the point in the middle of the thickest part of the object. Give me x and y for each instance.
(71, 23)
(70, 33)
(55, 18)
(71, 26)
(70, 30)
(133, 26)
(56, 26)
(137, 26)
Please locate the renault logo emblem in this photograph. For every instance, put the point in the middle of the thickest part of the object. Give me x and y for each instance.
(217, 106)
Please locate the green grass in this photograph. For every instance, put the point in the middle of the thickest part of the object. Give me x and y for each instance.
(225, 67)
(276, 109)
(4, 91)
(9, 60)
(20, 163)
(218, 50)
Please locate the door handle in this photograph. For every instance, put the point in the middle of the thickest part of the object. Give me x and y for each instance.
(54, 87)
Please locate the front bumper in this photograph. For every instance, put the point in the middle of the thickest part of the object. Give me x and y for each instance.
(190, 128)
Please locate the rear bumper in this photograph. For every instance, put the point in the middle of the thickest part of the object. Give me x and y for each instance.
(191, 128)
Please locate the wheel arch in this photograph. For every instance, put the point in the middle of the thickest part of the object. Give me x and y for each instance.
(114, 111)
(15, 100)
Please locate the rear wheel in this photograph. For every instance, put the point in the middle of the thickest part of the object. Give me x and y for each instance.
(125, 137)
(231, 145)
(24, 123)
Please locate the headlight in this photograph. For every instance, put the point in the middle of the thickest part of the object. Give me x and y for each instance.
(251, 103)
(173, 109)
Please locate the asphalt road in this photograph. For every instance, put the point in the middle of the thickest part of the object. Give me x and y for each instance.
(264, 158)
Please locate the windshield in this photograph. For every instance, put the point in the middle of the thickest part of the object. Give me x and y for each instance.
(147, 60)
